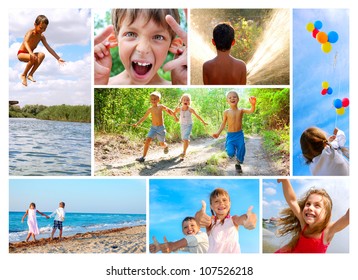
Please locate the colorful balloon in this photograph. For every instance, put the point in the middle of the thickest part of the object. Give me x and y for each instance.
(310, 27)
(337, 103)
(340, 111)
(314, 32)
(345, 102)
(329, 90)
(326, 47)
(324, 91)
(332, 36)
(318, 24)
(325, 84)
(322, 37)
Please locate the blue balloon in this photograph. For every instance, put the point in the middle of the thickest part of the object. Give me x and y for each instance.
(337, 103)
(329, 90)
(332, 36)
(318, 24)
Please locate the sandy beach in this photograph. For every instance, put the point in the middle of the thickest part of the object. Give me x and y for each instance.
(121, 240)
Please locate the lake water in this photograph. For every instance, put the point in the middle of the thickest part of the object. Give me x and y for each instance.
(49, 148)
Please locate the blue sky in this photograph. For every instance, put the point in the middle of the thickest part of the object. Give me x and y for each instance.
(171, 200)
(338, 189)
(311, 67)
(127, 196)
(69, 34)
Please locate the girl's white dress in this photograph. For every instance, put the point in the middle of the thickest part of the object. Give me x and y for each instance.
(224, 238)
(32, 221)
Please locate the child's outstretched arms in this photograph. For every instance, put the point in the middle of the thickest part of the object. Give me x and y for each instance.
(291, 199)
(196, 115)
(252, 101)
(222, 126)
(23, 217)
(103, 59)
(337, 226)
(51, 51)
(167, 247)
(143, 118)
(247, 220)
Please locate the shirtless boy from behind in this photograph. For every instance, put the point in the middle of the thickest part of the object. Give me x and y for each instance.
(31, 40)
(235, 142)
(157, 129)
(224, 69)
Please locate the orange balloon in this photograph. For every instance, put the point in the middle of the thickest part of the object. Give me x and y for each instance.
(322, 37)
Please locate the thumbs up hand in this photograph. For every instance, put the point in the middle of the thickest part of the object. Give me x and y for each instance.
(201, 217)
(251, 218)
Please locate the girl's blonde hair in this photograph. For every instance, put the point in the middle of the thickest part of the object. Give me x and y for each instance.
(288, 223)
(215, 193)
(185, 95)
(313, 141)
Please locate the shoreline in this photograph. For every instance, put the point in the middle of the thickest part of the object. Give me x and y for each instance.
(119, 240)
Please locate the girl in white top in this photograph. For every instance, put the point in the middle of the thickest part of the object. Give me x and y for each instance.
(325, 156)
(223, 229)
(186, 121)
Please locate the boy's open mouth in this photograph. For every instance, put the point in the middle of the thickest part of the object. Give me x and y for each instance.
(141, 68)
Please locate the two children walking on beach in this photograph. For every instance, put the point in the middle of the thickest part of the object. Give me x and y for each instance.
(59, 214)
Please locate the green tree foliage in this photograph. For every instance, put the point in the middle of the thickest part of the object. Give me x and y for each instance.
(116, 110)
(78, 113)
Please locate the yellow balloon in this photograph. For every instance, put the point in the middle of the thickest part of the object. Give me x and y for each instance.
(340, 111)
(310, 27)
(326, 47)
(325, 84)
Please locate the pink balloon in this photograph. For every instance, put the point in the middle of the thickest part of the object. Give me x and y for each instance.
(345, 102)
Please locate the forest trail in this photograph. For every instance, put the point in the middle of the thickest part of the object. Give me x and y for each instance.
(205, 157)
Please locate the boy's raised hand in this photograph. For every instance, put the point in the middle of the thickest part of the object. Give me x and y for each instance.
(201, 217)
(103, 60)
(179, 65)
(250, 222)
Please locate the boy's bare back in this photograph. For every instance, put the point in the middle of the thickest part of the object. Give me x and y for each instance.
(224, 70)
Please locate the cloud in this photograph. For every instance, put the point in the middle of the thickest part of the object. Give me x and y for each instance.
(270, 191)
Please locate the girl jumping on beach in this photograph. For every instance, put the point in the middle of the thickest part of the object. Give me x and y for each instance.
(186, 121)
(223, 229)
(325, 156)
(32, 221)
(308, 221)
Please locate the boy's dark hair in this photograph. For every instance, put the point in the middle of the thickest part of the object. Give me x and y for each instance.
(41, 18)
(187, 219)
(158, 15)
(223, 35)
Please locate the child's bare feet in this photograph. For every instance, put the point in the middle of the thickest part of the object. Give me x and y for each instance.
(166, 150)
(182, 156)
(23, 80)
(31, 78)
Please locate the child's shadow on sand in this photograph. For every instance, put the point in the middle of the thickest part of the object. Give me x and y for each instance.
(152, 167)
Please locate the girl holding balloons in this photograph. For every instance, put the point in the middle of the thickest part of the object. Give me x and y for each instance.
(325, 156)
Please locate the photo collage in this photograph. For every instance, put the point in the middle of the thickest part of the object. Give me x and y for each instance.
(150, 131)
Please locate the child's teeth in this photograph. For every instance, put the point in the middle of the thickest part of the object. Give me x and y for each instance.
(143, 64)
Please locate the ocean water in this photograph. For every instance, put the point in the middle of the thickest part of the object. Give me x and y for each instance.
(74, 223)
